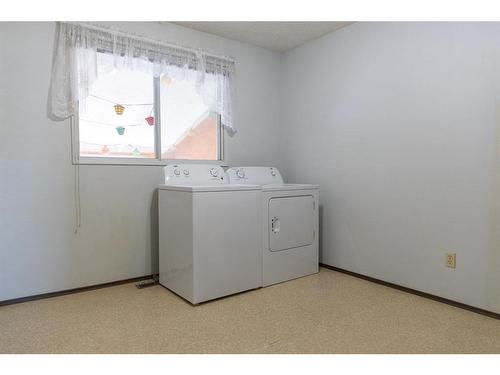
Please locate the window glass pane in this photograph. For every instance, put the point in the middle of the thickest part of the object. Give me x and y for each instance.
(189, 130)
(117, 119)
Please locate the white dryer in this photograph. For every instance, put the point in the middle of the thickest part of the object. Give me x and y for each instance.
(290, 223)
(210, 233)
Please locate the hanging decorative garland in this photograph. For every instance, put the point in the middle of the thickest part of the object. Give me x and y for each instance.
(106, 149)
(119, 109)
(166, 80)
(110, 124)
(150, 119)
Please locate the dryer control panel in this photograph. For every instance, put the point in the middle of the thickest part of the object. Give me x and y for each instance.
(254, 175)
(194, 174)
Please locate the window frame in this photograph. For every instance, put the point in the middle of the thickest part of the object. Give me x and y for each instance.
(157, 161)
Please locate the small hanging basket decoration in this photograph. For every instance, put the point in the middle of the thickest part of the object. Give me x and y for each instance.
(166, 80)
(120, 130)
(150, 120)
(119, 109)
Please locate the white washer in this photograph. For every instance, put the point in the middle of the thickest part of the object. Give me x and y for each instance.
(210, 233)
(290, 223)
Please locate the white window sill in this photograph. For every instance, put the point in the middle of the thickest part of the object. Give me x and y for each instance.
(142, 161)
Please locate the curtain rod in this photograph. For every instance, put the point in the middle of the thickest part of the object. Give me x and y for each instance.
(111, 30)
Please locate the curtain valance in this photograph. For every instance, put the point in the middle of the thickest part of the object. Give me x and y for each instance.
(75, 67)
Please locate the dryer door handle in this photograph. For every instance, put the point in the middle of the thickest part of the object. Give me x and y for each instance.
(275, 224)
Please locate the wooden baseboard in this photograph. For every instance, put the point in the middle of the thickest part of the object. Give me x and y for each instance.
(476, 310)
(71, 291)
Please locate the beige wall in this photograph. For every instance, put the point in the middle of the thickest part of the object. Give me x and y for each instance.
(396, 122)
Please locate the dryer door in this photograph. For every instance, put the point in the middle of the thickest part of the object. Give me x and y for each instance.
(291, 222)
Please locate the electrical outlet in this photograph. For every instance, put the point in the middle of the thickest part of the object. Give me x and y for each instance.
(451, 260)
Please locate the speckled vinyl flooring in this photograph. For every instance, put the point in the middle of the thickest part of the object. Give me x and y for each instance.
(329, 312)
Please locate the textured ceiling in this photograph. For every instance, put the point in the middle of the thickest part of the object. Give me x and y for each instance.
(277, 36)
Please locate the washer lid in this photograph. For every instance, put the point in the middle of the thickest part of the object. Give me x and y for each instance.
(210, 188)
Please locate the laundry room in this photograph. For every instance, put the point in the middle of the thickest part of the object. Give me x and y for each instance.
(249, 186)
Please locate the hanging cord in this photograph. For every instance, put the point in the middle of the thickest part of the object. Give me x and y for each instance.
(113, 102)
(76, 197)
(110, 124)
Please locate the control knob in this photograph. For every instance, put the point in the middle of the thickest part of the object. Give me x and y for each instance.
(177, 172)
(214, 172)
(240, 173)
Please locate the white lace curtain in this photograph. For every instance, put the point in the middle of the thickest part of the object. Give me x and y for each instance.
(75, 67)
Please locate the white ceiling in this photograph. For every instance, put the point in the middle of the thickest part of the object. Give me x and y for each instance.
(277, 36)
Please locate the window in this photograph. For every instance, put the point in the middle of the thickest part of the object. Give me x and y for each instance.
(137, 100)
(189, 129)
(129, 116)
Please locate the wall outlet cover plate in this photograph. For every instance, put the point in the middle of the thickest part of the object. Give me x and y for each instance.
(451, 260)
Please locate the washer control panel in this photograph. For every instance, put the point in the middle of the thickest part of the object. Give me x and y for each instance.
(254, 175)
(194, 174)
